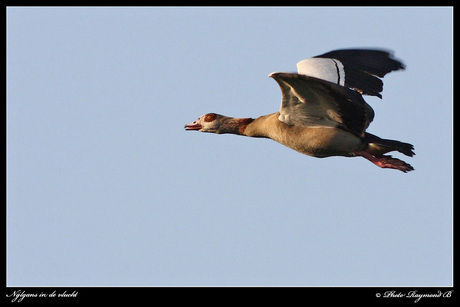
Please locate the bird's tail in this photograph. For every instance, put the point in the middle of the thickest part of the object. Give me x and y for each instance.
(379, 146)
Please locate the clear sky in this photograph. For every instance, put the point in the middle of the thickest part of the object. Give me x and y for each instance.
(106, 188)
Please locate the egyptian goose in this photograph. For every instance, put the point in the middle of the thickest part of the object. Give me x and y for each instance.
(322, 110)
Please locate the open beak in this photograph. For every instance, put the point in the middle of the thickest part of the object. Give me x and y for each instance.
(193, 126)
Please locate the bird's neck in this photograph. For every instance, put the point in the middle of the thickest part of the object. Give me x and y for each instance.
(247, 126)
(235, 125)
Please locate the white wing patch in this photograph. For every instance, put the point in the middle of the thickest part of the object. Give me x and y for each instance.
(327, 69)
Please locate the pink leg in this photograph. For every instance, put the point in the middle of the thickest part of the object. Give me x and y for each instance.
(386, 161)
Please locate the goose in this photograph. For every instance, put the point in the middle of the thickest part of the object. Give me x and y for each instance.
(322, 111)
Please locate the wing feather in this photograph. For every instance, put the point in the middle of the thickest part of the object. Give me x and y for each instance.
(312, 102)
(363, 68)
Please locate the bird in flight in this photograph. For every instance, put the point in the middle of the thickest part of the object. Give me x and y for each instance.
(323, 112)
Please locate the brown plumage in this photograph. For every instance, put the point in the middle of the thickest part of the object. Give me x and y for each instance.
(320, 117)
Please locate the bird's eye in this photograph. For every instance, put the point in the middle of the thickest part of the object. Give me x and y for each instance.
(209, 117)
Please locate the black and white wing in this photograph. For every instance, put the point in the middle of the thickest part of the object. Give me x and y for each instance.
(359, 69)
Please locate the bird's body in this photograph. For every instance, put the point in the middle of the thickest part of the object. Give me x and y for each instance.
(313, 141)
(322, 112)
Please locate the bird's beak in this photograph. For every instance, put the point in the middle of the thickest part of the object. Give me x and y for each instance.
(193, 126)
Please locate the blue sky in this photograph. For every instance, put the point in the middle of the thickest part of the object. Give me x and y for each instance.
(105, 188)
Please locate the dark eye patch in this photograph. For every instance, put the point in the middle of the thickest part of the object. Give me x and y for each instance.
(209, 117)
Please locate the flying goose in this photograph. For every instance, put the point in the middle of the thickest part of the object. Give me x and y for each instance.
(322, 110)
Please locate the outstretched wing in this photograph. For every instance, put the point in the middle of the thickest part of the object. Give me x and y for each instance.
(359, 69)
(312, 102)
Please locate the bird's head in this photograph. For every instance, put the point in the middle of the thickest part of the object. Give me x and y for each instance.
(210, 122)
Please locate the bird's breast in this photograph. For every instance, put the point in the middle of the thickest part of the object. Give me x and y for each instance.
(317, 141)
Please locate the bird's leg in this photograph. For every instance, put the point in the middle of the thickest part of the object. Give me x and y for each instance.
(386, 161)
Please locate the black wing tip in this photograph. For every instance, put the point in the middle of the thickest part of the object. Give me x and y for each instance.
(378, 61)
(364, 67)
